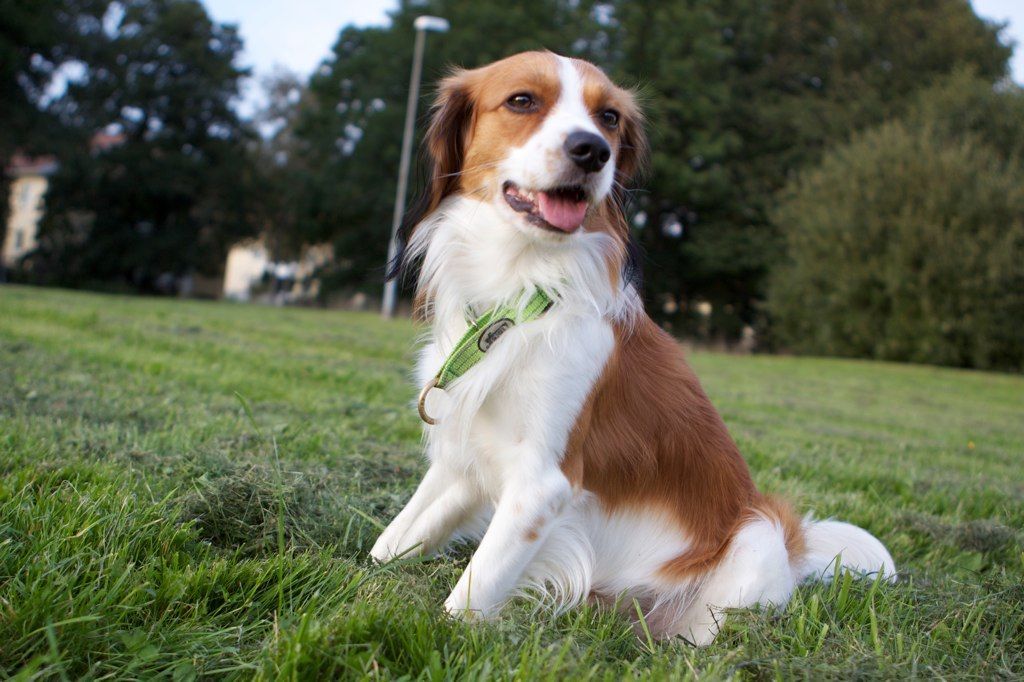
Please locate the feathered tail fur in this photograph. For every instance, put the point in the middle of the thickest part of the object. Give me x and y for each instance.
(857, 549)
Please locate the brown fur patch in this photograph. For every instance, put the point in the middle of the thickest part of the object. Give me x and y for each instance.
(492, 128)
(628, 140)
(650, 437)
(533, 532)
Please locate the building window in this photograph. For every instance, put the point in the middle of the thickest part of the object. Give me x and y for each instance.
(19, 239)
(25, 197)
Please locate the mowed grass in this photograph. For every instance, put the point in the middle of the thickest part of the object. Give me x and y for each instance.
(190, 490)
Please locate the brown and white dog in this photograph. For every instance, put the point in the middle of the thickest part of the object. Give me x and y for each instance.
(582, 444)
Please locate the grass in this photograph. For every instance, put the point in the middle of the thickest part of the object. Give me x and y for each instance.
(190, 490)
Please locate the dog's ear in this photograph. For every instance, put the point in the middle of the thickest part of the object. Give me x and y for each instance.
(445, 147)
(633, 148)
(630, 163)
(447, 137)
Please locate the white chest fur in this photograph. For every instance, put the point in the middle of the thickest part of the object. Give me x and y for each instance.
(502, 428)
(512, 413)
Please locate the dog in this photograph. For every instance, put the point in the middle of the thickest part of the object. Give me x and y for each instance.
(580, 445)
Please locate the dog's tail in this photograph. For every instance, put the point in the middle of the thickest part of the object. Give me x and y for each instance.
(813, 547)
(856, 549)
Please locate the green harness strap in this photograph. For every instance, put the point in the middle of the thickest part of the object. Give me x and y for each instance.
(479, 338)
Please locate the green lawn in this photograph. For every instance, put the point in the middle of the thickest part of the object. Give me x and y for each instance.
(190, 489)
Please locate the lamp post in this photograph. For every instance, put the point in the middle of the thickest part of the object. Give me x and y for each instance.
(422, 25)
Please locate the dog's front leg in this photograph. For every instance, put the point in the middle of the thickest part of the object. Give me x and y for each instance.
(528, 422)
(524, 514)
(443, 500)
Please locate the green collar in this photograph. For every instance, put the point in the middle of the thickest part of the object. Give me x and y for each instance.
(479, 338)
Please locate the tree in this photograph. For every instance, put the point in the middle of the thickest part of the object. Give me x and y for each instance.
(742, 94)
(172, 193)
(38, 40)
(908, 243)
(965, 105)
(284, 174)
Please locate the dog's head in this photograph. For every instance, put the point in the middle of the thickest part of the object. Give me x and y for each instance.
(547, 140)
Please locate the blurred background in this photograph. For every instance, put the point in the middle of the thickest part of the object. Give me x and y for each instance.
(828, 177)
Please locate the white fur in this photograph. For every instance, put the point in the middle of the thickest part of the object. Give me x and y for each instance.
(858, 549)
(502, 428)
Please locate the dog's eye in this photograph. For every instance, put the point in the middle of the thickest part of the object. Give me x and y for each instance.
(521, 101)
(610, 118)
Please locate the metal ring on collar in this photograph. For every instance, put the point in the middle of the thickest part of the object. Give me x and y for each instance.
(422, 405)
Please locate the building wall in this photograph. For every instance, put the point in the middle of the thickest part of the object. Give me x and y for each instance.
(290, 281)
(26, 210)
(245, 266)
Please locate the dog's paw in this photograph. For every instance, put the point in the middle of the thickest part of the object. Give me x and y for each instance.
(457, 607)
(384, 551)
(381, 555)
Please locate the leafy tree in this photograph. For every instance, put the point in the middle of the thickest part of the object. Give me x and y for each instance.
(285, 177)
(173, 194)
(908, 243)
(744, 93)
(965, 104)
(38, 40)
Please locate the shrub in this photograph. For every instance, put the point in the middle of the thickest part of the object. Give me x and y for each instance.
(908, 244)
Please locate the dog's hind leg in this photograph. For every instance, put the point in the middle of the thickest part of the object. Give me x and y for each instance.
(756, 570)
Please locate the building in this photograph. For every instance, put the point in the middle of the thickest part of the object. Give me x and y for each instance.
(246, 265)
(250, 274)
(30, 178)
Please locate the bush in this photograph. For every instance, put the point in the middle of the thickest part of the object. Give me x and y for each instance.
(908, 243)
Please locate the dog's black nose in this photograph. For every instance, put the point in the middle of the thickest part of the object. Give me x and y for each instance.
(588, 151)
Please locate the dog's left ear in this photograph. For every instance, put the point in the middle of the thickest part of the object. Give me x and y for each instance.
(447, 137)
(633, 148)
(631, 161)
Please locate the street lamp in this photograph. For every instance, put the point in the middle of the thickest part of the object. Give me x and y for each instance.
(422, 25)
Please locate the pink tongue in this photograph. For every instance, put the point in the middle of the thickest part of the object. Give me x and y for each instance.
(560, 212)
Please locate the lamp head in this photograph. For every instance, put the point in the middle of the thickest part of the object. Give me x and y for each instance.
(428, 23)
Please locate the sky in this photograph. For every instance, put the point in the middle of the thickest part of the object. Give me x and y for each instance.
(1012, 11)
(298, 34)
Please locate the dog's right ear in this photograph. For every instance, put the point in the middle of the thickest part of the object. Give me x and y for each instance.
(447, 137)
(445, 146)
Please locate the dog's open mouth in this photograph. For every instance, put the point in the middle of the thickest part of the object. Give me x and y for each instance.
(561, 209)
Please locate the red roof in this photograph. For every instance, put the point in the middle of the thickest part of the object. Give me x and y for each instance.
(22, 164)
(102, 141)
